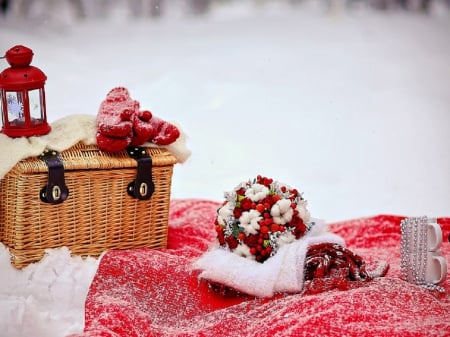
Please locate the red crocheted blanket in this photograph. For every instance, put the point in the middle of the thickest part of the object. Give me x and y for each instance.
(146, 292)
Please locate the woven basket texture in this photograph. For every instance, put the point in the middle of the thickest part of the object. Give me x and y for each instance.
(97, 216)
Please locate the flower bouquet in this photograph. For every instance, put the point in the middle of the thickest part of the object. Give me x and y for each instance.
(260, 216)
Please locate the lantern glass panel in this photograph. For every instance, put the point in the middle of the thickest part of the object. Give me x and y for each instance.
(14, 105)
(35, 103)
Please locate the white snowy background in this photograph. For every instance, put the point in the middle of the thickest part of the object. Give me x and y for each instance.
(349, 105)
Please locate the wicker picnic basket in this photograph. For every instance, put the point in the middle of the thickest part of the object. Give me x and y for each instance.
(98, 213)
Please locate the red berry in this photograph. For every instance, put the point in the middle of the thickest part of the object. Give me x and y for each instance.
(260, 208)
(264, 229)
(246, 204)
(301, 226)
(232, 242)
(251, 240)
(274, 227)
(221, 238)
(241, 191)
(237, 212)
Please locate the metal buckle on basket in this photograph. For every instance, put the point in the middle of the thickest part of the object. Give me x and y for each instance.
(56, 190)
(142, 187)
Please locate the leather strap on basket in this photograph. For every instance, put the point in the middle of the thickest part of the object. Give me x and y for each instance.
(55, 191)
(142, 187)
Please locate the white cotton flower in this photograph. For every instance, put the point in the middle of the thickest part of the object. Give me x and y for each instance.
(256, 192)
(285, 238)
(224, 214)
(303, 212)
(249, 221)
(282, 212)
(244, 251)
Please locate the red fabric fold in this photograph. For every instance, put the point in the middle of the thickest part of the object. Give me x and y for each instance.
(146, 292)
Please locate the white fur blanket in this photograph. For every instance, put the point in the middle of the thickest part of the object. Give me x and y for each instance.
(65, 133)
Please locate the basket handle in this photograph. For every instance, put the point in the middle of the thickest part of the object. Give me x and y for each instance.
(56, 191)
(142, 187)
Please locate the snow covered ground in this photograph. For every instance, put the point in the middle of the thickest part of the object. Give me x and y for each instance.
(351, 107)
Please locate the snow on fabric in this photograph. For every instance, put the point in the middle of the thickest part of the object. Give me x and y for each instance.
(156, 293)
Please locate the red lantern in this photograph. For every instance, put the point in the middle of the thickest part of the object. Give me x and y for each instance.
(22, 95)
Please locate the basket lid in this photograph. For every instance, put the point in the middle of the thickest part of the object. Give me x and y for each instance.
(90, 157)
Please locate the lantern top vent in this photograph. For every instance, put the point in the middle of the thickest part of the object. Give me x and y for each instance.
(19, 56)
(21, 75)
